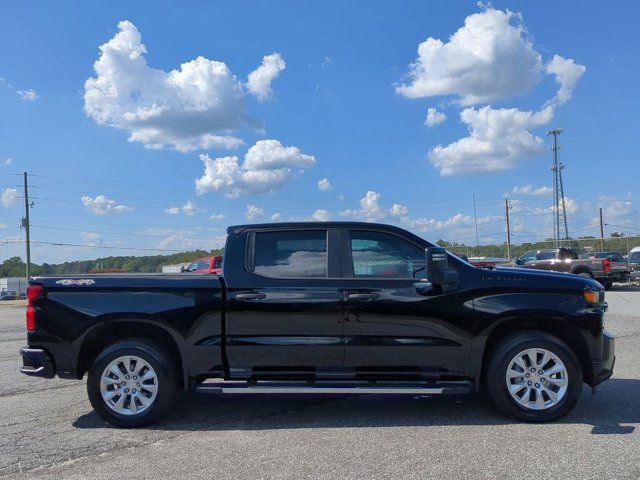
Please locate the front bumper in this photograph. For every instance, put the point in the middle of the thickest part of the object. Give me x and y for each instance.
(603, 369)
(36, 362)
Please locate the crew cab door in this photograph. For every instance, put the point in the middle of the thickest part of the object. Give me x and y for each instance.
(284, 303)
(390, 328)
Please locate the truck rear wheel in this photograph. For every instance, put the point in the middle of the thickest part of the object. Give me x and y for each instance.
(534, 377)
(132, 383)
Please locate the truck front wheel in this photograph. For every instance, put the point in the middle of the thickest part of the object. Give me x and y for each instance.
(132, 383)
(534, 377)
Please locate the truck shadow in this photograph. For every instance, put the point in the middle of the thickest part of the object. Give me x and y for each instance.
(612, 411)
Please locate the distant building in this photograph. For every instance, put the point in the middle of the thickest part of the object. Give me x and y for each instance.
(174, 268)
(13, 284)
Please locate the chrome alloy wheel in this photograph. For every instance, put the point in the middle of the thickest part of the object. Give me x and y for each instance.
(537, 379)
(129, 385)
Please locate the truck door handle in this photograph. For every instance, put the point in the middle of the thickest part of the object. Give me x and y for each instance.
(250, 296)
(362, 296)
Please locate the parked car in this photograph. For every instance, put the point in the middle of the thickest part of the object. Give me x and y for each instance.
(567, 260)
(8, 295)
(324, 308)
(634, 264)
(203, 265)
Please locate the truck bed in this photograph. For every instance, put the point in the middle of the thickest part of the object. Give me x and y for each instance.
(94, 307)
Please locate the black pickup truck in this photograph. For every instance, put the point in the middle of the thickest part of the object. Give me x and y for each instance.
(332, 307)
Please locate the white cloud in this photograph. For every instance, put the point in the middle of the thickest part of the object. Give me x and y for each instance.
(92, 238)
(276, 217)
(9, 197)
(458, 220)
(267, 167)
(217, 216)
(498, 139)
(370, 209)
(326, 61)
(254, 212)
(530, 190)
(617, 210)
(434, 117)
(567, 74)
(488, 59)
(324, 185)
(271, 154)
(7, 162)
(29, 95)
(194, 107)
(321, 215)
(398, 210)
(101, 205)
(259, 81)
(570, 205)
(180, 241)
(189, 209)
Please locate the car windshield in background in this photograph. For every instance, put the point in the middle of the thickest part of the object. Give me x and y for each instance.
(634, 257)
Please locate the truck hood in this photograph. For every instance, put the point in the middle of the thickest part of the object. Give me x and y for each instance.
(543, 279)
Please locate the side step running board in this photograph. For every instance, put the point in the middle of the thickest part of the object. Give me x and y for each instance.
(364, 388)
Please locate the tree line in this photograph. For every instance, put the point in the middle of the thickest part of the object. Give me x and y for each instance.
(15, 266)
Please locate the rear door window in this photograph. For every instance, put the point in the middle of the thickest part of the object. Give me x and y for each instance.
(546, 255)
(294, 254)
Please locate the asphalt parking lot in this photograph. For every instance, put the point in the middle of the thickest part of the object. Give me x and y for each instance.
(48, 429)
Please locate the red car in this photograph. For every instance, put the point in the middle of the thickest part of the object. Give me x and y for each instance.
(211, 265)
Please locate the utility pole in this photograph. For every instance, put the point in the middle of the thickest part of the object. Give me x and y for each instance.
(601, 232)
(26, 225)
(475, 216)
(506, 210)
(560, 211)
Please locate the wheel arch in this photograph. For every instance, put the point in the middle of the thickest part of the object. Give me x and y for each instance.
(566, 332)
(582, 269)
(105, 334)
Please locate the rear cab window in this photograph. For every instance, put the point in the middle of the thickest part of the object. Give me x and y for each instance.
(290, 254)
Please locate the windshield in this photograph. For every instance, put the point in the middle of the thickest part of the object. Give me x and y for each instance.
(634, 257)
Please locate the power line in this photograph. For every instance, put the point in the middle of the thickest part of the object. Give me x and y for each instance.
(110, 247)
(163, 189)
(113, 233)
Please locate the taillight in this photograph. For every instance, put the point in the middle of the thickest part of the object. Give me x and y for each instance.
(33, 292)
(606, 263)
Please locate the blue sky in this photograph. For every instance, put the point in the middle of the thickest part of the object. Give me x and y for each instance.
(339, 92)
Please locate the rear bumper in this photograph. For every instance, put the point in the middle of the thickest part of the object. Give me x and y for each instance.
(36, 362)
(603, 369)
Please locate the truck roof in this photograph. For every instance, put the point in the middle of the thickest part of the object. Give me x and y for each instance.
(290, 225)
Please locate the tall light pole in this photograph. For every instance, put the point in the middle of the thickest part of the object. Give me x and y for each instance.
(559, 207)
(26, 225)
(475, 217)
(506, 211)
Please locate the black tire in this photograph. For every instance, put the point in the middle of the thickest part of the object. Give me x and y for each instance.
(498, 364)
(608, 285)
(585, 274)
(167, 380)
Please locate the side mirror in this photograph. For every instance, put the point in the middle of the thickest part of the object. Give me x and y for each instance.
(518, 261)
(438, 271)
